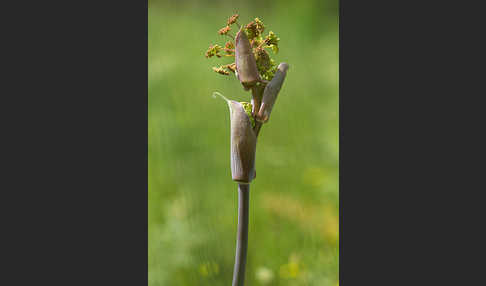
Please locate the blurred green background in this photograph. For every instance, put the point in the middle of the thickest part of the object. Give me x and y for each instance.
(294, 210)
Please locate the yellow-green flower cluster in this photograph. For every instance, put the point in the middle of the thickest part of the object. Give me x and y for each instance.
(225, 69)
(232, 19)
(248, 107)
(271, 40)
(224, 30)
(266, 66)
(221, 70)
(254, 29)
(213, 51)
(259, 42)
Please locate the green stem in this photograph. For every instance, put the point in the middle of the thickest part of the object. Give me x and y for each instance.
(257, 95)
(242, 234)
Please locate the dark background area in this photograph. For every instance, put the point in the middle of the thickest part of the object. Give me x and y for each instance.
(74, 138)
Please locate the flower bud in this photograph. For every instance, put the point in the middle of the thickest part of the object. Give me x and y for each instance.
(243, 143)
(245, 61)
(271, 92)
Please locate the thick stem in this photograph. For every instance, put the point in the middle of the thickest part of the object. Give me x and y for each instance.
(242, 235)
(258, 125)
(256, 101)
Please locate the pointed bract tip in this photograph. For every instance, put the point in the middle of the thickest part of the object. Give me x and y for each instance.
(283, 67)
(215, 93)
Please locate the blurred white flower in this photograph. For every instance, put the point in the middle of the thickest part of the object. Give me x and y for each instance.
(264, 275)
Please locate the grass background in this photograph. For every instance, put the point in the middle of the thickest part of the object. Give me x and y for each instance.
(294, 213)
